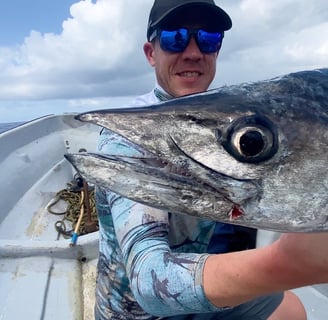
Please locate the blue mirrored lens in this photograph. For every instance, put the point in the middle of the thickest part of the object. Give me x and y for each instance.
(178, 40)
(174, 41)
(209, 42)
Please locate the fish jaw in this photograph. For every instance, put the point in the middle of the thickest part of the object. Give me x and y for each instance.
(140, 180)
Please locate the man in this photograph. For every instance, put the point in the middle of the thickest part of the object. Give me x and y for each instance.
(154, 264)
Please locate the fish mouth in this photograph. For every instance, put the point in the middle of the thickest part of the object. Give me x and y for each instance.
(172, 186)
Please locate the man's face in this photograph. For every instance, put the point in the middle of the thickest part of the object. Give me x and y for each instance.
(190, 71)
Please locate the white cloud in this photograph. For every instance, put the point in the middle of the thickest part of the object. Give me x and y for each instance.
(99, 52)
(270, 38)
(99, 44)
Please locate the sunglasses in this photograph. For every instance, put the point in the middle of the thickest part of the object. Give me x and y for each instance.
(178, 40)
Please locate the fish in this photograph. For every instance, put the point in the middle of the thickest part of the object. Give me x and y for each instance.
(252, 154)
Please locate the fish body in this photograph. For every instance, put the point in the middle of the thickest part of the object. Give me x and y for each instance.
(253, 154)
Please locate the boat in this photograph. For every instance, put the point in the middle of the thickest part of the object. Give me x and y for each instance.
(42, 275)
(46, 273)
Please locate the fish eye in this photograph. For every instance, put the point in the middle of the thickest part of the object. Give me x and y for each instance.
(250, 139)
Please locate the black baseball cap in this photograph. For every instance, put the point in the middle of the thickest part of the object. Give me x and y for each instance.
(169, 12)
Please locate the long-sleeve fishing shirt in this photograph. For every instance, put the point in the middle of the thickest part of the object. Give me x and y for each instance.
(151, 261)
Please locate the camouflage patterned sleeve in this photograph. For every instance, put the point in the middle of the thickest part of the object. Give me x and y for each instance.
(163, 282)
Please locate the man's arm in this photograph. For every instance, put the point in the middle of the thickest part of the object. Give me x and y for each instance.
(294, 260)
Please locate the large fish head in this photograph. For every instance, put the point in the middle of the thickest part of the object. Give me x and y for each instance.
(259, 149)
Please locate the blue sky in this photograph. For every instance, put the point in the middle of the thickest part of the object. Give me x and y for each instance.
(19, 17)
(59, 56)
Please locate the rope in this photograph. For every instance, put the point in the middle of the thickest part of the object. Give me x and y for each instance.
(72, 196)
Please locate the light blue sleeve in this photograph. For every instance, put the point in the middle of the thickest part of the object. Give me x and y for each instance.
(163, 282)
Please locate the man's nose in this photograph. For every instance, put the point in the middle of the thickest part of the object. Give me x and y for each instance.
(192, 51)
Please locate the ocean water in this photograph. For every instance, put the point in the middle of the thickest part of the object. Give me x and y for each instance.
(8, 125)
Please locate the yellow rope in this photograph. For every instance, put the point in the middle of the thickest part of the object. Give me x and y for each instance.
(72, 212)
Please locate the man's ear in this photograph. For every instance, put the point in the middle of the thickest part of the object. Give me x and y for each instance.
(149, 53)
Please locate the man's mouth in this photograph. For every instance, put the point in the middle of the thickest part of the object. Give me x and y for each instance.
(189, 74)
